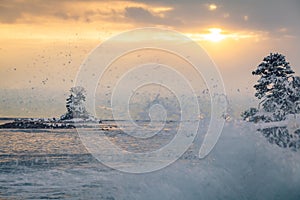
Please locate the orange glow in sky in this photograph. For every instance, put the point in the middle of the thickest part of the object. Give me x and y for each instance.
(215, 35)
(43, 43)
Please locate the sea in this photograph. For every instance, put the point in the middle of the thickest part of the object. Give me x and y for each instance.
(55, 164)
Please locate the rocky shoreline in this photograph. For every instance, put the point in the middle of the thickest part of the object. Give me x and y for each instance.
(52, 124)
(35, 125)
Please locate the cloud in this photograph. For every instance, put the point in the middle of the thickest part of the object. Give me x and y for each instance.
(267, 16)
(13, 11)
(189, 15)
(8, 15)
(145, 16)
(66, 16)
(18, 11)
(140, 14)
(36, 11)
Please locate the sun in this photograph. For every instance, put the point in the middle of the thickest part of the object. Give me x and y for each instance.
(215, 35)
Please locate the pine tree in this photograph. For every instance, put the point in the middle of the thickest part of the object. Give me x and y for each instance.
(294, 95)
(279, 92)
(75, 104)
(274, 84)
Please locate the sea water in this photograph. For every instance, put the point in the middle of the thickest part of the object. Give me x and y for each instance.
(54, 164)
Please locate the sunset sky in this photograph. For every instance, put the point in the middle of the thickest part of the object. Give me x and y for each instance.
(44, 42)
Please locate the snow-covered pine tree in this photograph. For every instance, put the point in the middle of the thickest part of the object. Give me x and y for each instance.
(75, 104)
(279, 92)
(273, 85)
(249, 115)
(294, 95)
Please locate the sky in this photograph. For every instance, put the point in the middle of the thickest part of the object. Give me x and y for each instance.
(43, 43)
